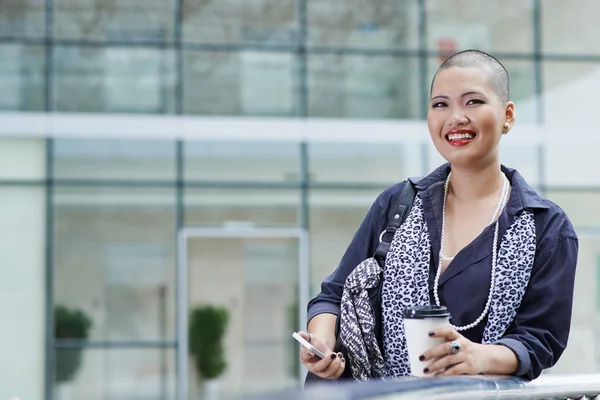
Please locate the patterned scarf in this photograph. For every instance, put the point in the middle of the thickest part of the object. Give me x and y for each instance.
(405, 284)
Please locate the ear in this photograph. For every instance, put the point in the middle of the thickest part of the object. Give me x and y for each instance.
(509, 117)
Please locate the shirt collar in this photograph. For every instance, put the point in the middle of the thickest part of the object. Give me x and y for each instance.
(523, 196)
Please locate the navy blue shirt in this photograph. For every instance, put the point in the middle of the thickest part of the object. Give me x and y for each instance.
(538, 334)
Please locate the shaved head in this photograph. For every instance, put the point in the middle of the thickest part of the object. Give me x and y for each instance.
(498, 76)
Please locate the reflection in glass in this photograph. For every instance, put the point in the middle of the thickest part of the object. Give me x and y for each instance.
(108, 159)
(494, 25)
(114, 258)
(104, 79)
(373, 24)
(20, 18)
(118, 374)
(242, 161)
(256, 280)
(21, 77)
(240, 21)
(241, 207)
(347, 86)
(240, 83)
(114, 20)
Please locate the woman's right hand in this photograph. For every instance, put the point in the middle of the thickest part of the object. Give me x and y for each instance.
(330, 367)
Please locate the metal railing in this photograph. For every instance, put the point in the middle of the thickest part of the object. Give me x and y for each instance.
(457, 388)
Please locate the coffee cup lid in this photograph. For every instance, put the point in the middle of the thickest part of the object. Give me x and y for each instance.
(422, 312)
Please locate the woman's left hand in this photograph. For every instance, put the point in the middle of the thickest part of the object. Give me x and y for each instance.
(468, 360)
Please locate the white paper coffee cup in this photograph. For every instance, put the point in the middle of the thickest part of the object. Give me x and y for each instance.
(418, 322)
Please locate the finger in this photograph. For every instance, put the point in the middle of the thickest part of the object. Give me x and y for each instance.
(441, 350)
(444, 362)
(333, 368)
(306, 353)
(321, 366)
(448, 333)
(307, 356)
(460, 369)
(341, 369)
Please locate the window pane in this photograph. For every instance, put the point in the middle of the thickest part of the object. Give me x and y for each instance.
(368, 24)
(385, 163)
(114, 20)
(363, 86)
(22, 159)
(240, 21)
(494, 25)
(581, 206)
(241, 207)
(570, 80)
(96, 79)
(114, 258)
(570, 30)
(335, 215)
(240, 83)
(95, 159)
(22, 77)
(20, 18)
(116, 374)
(242, 161)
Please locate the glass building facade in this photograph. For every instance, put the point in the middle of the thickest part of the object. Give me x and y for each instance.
(269, 125)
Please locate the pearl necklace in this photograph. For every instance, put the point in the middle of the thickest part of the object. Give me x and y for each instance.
(501, 203)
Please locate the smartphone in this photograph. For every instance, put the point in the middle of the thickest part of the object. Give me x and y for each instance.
(309, 346)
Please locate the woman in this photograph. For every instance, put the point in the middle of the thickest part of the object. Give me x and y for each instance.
(472, 219)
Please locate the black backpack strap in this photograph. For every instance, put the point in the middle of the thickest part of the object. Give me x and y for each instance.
(396, 216)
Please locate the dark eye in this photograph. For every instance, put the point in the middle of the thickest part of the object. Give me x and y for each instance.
(475, 101)
(438, 104)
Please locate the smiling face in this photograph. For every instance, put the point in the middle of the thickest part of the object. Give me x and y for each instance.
(466, 117)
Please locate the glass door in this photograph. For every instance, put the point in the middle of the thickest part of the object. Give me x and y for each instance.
(259, 278)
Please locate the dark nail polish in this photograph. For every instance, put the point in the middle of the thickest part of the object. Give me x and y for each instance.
(333, 356)
(422, 358)
(431, 333)
(426, 370)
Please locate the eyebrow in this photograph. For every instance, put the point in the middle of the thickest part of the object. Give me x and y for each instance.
(463, 95)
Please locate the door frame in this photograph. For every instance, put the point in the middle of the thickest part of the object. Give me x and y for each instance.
(194, 232)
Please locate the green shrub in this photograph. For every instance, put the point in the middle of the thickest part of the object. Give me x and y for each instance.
(208, 325)
(69, 324)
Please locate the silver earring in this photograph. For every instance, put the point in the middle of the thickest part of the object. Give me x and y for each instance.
(506, 125)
